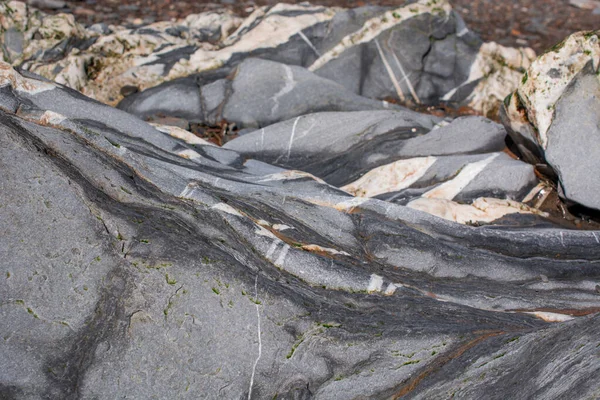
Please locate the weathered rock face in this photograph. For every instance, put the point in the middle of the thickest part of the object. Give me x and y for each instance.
(403, 157)
(256, 94)
(100, 60)
(140, 262)
(421, 52)
(554, 116)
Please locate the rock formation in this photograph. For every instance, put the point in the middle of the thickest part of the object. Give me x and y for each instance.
(341, 246)
(420, 52)
(554, 115)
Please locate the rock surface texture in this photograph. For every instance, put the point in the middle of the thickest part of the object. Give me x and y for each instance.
(340, 247)
(421, 52)
(554, 115)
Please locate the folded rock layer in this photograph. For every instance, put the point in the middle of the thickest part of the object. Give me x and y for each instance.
(141, 262)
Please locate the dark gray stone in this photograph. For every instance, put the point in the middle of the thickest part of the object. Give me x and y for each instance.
(434, 53)
(12, 44)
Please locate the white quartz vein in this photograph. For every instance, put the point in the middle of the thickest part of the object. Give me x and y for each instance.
(259, 338)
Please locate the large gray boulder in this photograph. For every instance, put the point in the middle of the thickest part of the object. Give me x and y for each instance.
(141, 263)
(395, 155)
(255, 94)
(576, 131)
(554, 116)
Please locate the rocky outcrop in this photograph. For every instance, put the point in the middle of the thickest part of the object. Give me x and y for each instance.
(554, 115)
(402, 157)
(139, 261)
(256, 94)
(421, 52)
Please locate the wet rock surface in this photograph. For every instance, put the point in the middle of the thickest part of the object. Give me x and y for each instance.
(340, 245)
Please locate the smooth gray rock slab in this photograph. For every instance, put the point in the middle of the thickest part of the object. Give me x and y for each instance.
(257, 93)
(573, 139)
(179, 99)
(264, 92)
(339, 147)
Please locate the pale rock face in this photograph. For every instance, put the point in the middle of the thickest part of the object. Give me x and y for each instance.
(550, 74)
(8, 76)
(483, 209)
(390, 178)
(498, 71)
(182, 134)
(453, 198)
(39, 32)
(274, 28)
(107, 62)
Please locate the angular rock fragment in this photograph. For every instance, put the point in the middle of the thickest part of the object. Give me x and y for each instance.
(554, 115)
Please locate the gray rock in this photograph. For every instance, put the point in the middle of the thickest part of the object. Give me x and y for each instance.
(424, 55)
(49, 4)
(179, 99)
(553, 116)
(339, 147)
(574, 132)
(100, 28)
(257, 93)
(502, 178)
(12, 44)
(264, 92)
(139, 264)
(335, 146)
